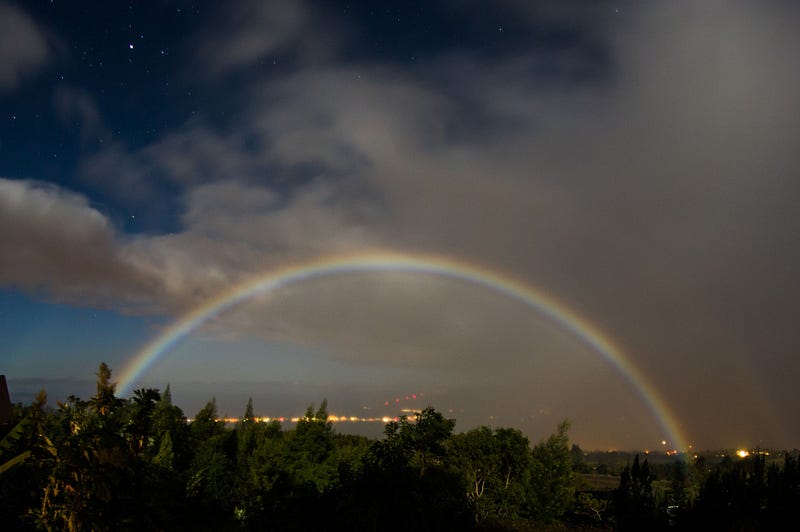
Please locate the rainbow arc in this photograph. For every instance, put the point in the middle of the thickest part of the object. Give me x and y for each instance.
(535, 299)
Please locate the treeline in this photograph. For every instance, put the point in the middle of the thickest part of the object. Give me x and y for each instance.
(122, 464)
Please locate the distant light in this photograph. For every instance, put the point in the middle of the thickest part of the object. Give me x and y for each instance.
(741, 453)
(663, 442)
(130, 45)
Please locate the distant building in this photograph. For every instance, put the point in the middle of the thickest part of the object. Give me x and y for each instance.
(5, 402)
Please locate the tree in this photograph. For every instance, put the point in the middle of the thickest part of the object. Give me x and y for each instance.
(247, 436)
(474, 453)
(309, 447)
(92, 481)
(409, 468)
(140, 424)
(496, 467)
(8, 444)
(169, 423)
(428, 437)
(635, 505)
(206, 425)
(579, 464)
(248, 493)
(211, 472)
(419, 444)
(268, 480)
(104, 402)
(21, 471)
(552, 480)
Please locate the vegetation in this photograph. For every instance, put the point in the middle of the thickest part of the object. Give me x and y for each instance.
(123, 464)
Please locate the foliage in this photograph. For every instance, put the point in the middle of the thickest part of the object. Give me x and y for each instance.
(9, 441)
(90, 478)
(496, 466)
(552, 487)
(108, 463)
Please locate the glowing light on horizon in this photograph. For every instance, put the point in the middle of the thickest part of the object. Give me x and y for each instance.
(332, 418)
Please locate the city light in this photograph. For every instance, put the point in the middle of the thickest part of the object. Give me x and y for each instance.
(332, 418)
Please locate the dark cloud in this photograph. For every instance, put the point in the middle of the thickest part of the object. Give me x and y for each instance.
(60, 246)
(250, 33)
(75, 104)
(23, 47)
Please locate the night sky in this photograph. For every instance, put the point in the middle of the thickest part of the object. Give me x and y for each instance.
(637, 162)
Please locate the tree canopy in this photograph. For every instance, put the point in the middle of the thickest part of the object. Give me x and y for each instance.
(108, 463)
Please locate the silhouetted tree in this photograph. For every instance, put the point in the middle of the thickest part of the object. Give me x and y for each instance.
(635, 505)
(211, 472)
(552, 491)
(92, 483)
(140, 423)
(171, 434)
(409, 469)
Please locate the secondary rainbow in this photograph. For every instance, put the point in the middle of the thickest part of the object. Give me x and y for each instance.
(425, 264)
